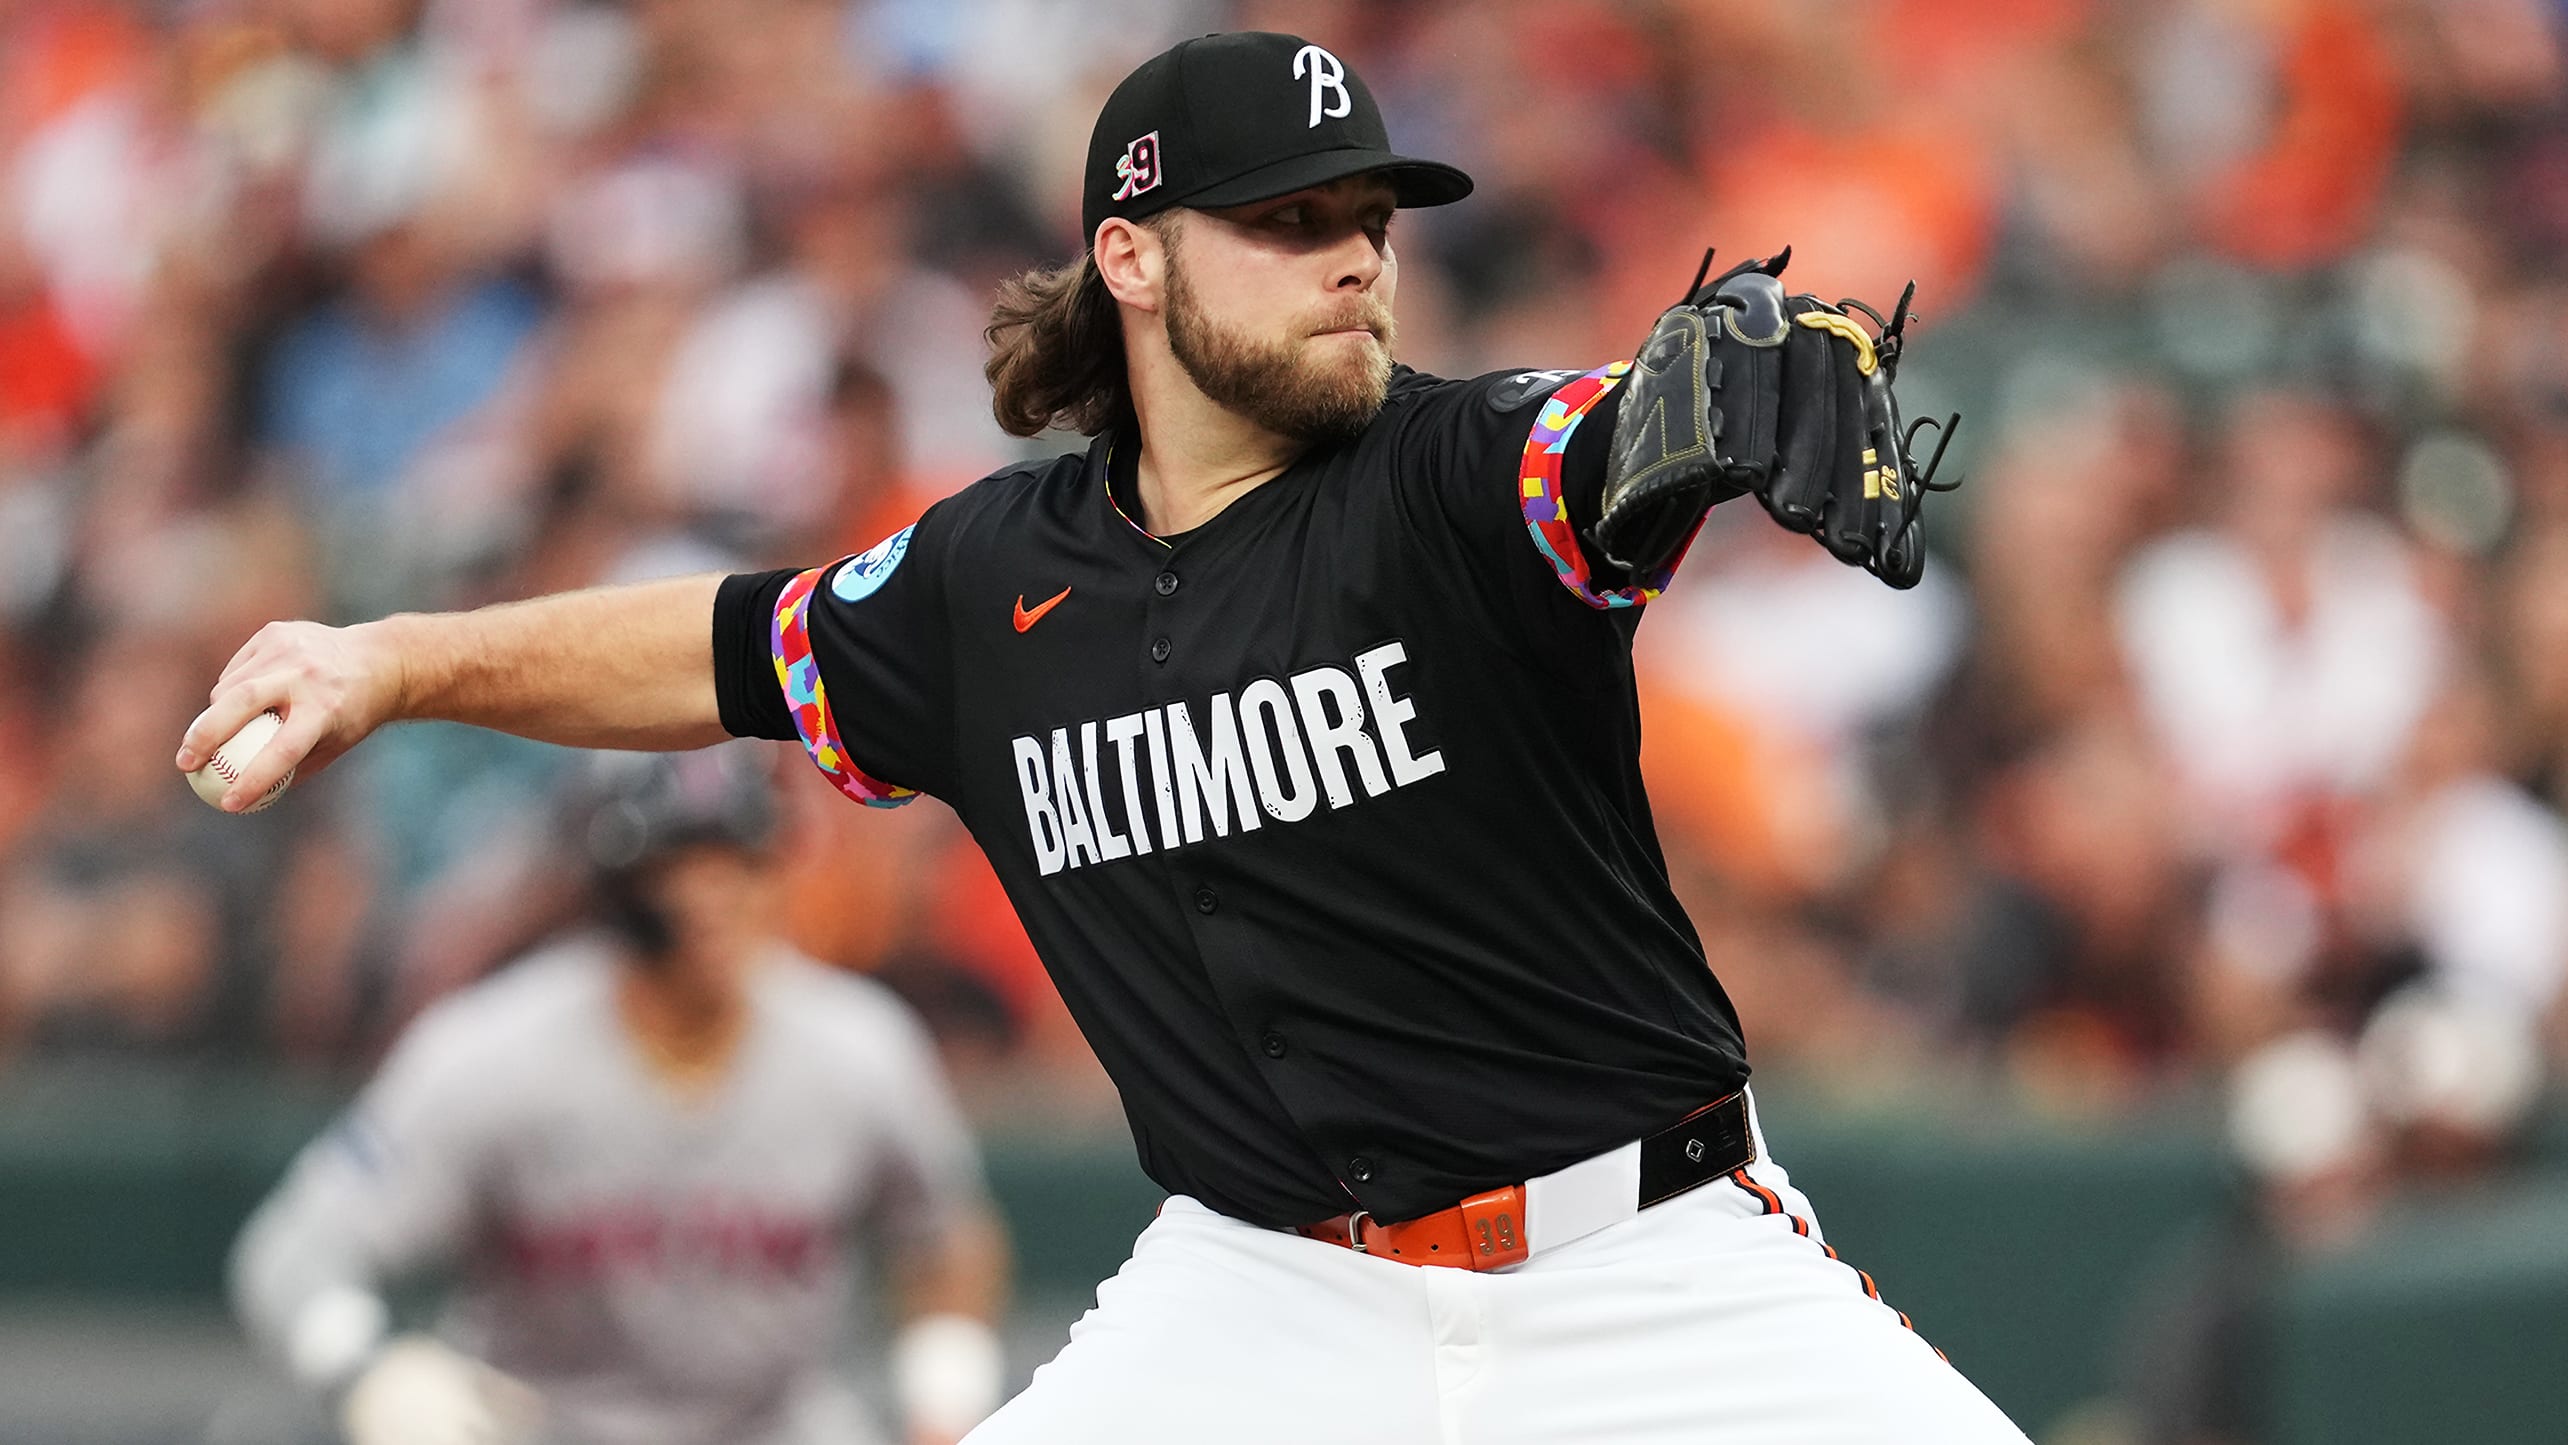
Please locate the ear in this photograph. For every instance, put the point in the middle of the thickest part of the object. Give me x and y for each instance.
(1132, 261)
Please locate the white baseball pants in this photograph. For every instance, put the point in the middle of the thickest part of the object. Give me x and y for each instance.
(1716, 1318)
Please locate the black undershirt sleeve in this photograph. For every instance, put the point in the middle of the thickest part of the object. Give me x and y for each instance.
(744, 669)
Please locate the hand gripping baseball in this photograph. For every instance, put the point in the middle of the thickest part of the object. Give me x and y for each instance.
(1742, 387)
(332, 685)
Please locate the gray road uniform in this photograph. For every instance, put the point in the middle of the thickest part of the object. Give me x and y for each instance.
(663, 1269)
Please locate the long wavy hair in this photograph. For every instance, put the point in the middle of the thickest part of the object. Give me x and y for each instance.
(1056, 349)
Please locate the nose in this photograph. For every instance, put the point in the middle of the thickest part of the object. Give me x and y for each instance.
(1362, 264)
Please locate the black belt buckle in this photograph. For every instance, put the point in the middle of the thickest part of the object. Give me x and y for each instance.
(1701, 1147)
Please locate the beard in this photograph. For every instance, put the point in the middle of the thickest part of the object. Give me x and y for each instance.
(1284, 386)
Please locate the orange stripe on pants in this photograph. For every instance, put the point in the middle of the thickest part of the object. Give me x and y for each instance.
(1773, 1203)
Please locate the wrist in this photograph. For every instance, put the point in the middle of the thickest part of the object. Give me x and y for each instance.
(392, 648)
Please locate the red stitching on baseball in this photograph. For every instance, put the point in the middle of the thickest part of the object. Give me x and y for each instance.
(224, 770)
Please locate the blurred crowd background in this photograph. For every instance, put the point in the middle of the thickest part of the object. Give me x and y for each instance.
(2221, 758)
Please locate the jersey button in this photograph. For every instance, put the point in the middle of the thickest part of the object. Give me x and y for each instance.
(1360, 1169)
(1206, 900)
(1159, 649)
(1273, 1043)
(1166, 583)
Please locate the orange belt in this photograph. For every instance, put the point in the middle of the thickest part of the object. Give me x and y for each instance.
(1489, 1231)
(1482, 1232)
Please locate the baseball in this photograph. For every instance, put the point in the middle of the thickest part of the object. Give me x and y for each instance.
(233, 758)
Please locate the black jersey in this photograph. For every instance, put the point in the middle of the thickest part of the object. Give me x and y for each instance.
(1326, 817)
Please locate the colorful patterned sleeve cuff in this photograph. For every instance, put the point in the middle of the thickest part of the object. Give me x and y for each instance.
(798, 672)
(1547, 515)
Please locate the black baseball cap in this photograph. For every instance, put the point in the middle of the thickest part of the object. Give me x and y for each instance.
(1222, 120)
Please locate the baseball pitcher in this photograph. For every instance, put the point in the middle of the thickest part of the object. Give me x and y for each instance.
(1297, 715)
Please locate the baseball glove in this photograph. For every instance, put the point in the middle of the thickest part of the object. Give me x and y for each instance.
(1744, 388)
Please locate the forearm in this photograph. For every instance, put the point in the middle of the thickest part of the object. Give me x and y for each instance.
(302, 1291)
(948, 1369)
(615, 667)
(965, 1272)
(610, 667)
(305, 1290)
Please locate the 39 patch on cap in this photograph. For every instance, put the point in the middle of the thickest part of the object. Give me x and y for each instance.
(1139, 168)
(1223, 120)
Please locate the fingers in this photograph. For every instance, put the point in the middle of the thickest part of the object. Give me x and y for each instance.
(233, 705)
(262, 644)
(294, 669)
(284, 752)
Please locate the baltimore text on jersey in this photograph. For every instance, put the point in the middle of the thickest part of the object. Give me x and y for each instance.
(1281, 744)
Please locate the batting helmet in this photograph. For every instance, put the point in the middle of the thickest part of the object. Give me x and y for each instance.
(630, 808)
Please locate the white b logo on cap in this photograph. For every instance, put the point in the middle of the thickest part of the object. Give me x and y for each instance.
(1328, 76)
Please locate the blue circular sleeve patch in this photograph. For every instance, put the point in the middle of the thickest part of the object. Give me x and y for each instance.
(857, 578)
